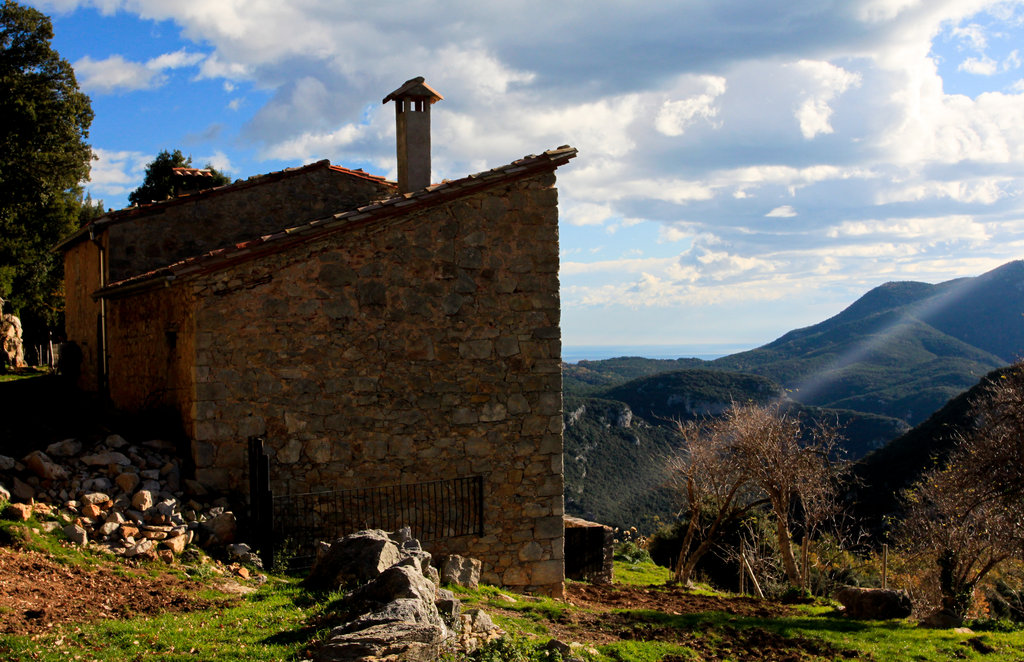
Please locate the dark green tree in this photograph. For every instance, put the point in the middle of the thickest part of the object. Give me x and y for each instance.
(44, 157)
(161, 183)
(90, 210)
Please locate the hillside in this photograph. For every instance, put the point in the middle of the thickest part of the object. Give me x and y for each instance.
(615, 464)
(890, 360)
(903, 349)
(883, 474)
(616, 445)
(587, 377)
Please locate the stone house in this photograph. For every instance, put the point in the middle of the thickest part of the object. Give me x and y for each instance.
(372, 334)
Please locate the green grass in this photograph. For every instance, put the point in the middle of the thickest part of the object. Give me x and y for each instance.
(271, 624)
(280, 620)
(644, 651)
(22, 373)
(641, 574)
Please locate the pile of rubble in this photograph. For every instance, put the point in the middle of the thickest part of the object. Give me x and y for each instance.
(397, 610)
(127, 499)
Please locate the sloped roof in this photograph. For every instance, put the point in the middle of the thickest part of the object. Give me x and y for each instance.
(192, 172)
(128, 213)
(278, 241)
(415, 87)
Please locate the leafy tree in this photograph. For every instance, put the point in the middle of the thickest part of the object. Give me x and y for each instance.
(753, 455)
(967, 516)
(161, 183)
(89, 211)
(44, 124)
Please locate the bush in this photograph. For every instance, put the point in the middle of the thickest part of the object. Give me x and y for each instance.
(507, 649)
(630, 552)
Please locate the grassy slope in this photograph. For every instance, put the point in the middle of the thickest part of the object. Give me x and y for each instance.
(279, 621)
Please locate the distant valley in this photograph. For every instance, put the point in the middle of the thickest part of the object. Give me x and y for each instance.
(877, 369)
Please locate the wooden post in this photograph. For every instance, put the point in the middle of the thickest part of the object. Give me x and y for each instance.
(743, 576)
(885, 566)
(753, 579)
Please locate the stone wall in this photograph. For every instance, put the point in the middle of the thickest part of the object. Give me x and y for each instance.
(416, 348)
(165, 233)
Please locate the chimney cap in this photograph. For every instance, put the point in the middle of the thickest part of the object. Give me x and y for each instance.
(414, 88)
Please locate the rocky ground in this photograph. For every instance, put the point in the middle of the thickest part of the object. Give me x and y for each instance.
(39, 594)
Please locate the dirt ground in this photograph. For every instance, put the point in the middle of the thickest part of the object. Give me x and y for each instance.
(600, 623)
(37, 593)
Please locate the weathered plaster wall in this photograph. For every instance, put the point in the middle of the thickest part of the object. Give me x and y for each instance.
(81, 311)
(414, 349)
(151, 351)
(197, 224)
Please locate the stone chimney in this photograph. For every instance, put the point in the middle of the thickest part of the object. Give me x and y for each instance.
(412, 119)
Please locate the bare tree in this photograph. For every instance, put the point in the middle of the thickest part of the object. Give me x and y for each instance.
(968, 515)
(753, 455)
(714, 483)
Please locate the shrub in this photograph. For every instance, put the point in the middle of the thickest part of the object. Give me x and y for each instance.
(630, 552)
(507, 649)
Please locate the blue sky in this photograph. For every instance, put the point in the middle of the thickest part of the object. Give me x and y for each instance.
(745, 167)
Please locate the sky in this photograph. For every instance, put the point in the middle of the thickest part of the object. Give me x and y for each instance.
(745, 167)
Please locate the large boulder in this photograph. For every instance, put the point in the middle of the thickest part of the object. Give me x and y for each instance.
(12, 352)
(408, 642)
(460, 570)
(394, 616)
(874, 603)
(354, 559)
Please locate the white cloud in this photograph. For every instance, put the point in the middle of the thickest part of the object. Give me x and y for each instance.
(310, 146)
(981, 66)
(587, 213)
(828, 81)
(116, 172)
(785, 211)
(218, 160)
(937, 229)
(115, 73)
(675, 115)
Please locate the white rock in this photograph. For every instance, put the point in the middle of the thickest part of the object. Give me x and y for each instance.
(142, 500)
(95, 498)
(76, 534)
(109, 528)
(144, 546)
(7, 463)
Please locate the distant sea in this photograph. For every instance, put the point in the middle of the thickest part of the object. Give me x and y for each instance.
(576, 353)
